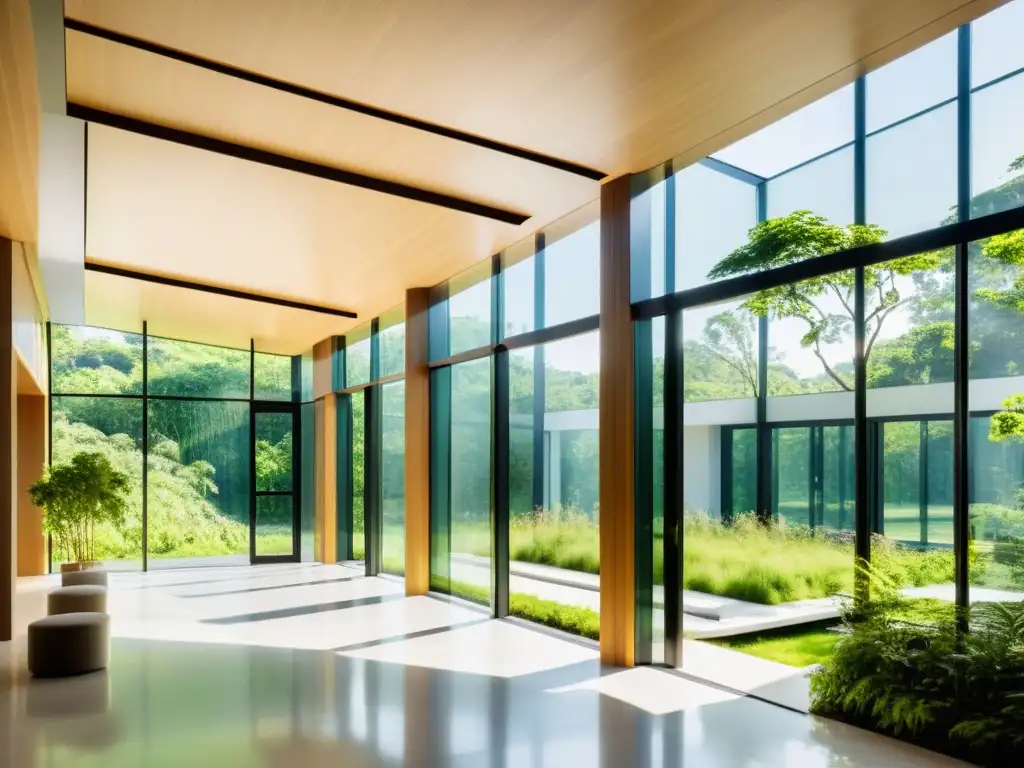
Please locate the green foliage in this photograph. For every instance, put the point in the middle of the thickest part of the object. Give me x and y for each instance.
(730, 337)
(1008, 424)
(568, 618)
(800, 236)
(274, 464)
(76, 497)
(745, 560)
(199, 450)
(922, 355)
(759, 564)
(567, 539)
(183, 520)
(804, 235)
(962, 693)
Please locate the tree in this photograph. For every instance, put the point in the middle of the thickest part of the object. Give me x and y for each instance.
(730, 336)
(76, 497)
(803, 235)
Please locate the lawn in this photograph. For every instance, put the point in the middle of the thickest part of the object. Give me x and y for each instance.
(392, 548)
(568, 618)
(796, 649)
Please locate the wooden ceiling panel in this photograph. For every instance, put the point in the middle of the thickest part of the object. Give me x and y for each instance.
(162, 208)
(618, 85)
(123, 303)
(123, 80)
(19, 124)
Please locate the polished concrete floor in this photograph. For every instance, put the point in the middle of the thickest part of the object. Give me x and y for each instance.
(303, 665)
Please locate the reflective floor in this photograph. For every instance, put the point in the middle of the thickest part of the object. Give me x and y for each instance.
(317, 666)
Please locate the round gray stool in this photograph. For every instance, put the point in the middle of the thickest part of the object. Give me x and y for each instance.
(88, 576)
(69, 644)
(81, 598)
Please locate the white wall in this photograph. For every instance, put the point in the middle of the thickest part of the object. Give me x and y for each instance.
(27, 322)
(702, 468)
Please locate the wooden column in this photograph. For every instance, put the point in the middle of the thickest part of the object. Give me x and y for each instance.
(326, 481)
(618, 595)
(8, 447)
(417, 443)
(325, 452)
(32, 430)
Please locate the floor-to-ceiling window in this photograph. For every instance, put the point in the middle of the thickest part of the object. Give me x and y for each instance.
(175, 417)
(391, 344)
(514, 417)
(470, 479)
(96, 381)
(461, 322)
(369, 364)
(817, 418)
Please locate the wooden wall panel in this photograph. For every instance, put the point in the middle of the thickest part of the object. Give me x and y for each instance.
(417, 443)
(618, 593)
(19, 124)
(32, 431)
(323, 382)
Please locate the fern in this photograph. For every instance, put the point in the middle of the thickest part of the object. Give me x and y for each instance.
(903, 667)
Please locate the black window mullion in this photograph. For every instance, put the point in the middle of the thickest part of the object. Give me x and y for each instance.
(539, 373)
(961, 334)
(674, 490)
(372, 528)
(765, 488)
(344, 478)
(499, 517)
(643, 497)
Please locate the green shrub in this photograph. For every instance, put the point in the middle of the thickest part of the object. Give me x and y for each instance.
(743, 560)
(961, 693)
(183, 518)
(77, 497)
(993, 522)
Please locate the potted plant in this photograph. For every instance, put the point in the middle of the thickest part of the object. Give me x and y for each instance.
(75, 497)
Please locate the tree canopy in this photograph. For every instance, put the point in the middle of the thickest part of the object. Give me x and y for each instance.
(804, 235)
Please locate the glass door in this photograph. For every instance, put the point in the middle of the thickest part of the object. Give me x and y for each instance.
(274, 505)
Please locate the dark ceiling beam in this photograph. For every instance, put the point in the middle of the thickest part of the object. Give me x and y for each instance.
(174, 282)
(221, 147)
(334, 101)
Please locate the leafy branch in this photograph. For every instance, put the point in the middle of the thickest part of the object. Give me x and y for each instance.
(803, 235)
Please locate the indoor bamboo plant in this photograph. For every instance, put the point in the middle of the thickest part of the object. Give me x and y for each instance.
(77, 496)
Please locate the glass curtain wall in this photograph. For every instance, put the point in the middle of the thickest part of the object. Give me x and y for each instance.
(773, 425)
(514, 447)
(181, 412)
(368, 378)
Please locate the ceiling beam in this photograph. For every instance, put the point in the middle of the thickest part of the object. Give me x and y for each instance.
(334, 101)
(174, 282)
(252, 154)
